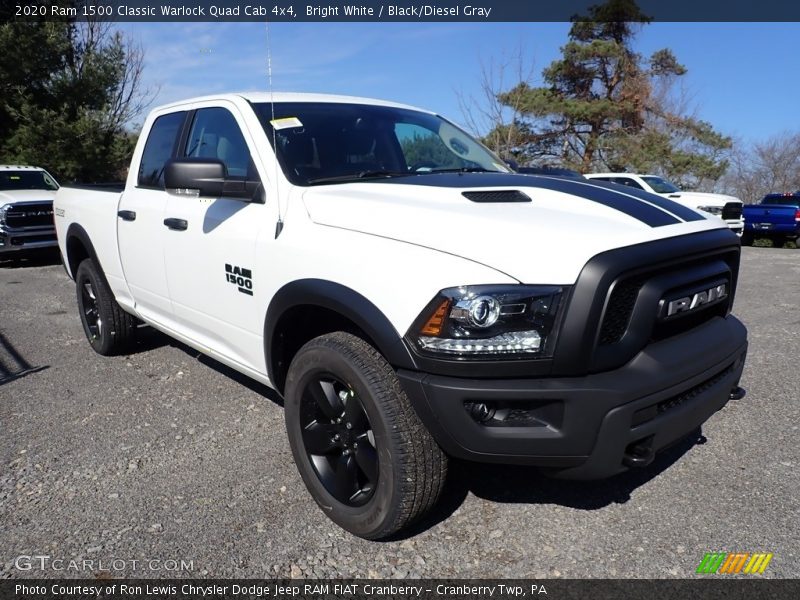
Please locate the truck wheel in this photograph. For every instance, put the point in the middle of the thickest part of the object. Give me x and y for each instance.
(747, 239)
(109, 329)
(778, 242)
(363, 453)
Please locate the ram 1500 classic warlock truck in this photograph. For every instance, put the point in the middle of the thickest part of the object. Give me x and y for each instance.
(727, 208)
(776, 217)
(409, 297)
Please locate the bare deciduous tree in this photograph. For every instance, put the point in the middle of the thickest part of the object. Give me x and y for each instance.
(772, 165)
(498, 124)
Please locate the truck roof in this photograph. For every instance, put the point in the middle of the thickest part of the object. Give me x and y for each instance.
(20, 168)
(292, 97)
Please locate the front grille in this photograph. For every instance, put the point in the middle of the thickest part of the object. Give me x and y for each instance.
(39, 214)
(667, 282)
(619, 310)
(732, 210)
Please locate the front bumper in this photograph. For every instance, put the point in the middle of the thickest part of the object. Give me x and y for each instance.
(589, 427)
(15, 240)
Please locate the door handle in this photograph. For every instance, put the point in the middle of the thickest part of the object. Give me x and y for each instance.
(177, 224)
(127, 215)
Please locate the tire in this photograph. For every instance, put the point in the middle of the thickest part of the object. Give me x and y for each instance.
(747, 239)
(109, 329)
(778, 242)
(385, 472)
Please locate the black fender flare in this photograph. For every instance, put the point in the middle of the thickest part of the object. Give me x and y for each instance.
(77, 231)
(344, 301)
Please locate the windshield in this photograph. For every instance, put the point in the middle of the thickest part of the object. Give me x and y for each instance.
(320, 143)
(660, 186)
(26, 180)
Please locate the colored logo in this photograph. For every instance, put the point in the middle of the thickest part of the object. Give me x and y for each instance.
(732, 563)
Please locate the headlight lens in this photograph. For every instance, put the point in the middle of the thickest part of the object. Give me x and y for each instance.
(3, 211)
(714, 210)
(488, 321)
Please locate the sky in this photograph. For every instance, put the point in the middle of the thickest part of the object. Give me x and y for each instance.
(742, 77)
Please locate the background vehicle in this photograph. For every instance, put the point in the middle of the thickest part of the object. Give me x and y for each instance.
(776, 217)
(26, 208)
(552, 171)
(727, 208)
(410, 297)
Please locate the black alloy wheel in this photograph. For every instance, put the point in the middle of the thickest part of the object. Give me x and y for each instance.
(91, 310)
(109, 329)
(339, 440)
(364, 455)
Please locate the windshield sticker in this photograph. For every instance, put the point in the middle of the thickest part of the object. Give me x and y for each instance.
(286, 123)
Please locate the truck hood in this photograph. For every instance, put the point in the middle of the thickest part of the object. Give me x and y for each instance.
(701, 198)
(21, 196)
(547, 239)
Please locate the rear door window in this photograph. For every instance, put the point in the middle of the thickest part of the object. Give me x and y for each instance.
(159, 148)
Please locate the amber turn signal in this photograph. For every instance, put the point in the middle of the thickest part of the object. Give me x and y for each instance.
(433, 326)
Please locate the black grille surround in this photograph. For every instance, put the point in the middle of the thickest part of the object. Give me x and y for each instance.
(732, 210)
(613, 311)
(34, 214)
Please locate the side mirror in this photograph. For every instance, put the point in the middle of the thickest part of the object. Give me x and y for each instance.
(512, 163)
(206, 177)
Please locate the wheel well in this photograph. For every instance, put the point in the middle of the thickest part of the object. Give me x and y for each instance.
(77, 252)
(301, 324)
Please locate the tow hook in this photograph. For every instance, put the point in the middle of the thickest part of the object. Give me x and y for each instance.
(639, 454)
(737, 393)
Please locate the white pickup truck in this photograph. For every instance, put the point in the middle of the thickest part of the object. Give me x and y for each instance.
(727, 208)
(409, 297)
(26, 209)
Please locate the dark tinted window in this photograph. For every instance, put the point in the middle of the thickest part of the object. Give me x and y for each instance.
(627, 181)
(326, 142)
(26, 180)
(158, 149)
(788, 200)
(216, 134)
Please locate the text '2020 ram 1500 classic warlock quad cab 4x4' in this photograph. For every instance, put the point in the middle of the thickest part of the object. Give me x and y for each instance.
(410, 297)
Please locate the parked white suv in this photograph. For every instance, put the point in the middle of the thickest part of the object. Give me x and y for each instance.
(727, 208)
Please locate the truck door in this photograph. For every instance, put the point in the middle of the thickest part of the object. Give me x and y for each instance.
(209, 252)
(140, 216)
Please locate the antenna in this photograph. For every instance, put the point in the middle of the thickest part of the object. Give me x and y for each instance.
(279, 224)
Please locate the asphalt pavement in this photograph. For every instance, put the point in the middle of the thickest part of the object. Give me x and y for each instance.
(165, 463)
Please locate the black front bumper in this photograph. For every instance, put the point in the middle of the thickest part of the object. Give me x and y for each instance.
(592, 426)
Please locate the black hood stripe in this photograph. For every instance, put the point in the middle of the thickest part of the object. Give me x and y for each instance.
(648, 210)
(679, 210)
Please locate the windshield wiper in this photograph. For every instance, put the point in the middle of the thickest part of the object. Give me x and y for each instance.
(462, 170)
(361, 175)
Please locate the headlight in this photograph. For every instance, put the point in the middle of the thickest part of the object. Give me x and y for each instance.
(3, 211)
(714, 210)
(488, 321)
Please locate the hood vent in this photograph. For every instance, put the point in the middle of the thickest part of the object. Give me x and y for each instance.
(496, 196)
